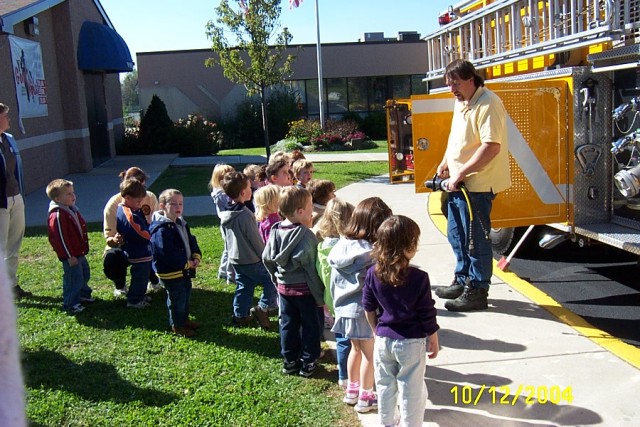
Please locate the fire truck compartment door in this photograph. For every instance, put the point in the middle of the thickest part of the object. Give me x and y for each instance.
(538, 138)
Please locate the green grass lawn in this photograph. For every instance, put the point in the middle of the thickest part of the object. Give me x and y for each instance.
(193, 181)
(382, 147)
(112, 366)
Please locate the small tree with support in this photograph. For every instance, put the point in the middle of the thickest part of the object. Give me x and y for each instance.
(251, 61)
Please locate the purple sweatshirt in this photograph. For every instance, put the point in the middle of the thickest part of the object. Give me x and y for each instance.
(266, 224)
(403, 312)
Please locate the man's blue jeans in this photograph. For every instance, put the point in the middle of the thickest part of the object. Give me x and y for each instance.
(178, 298)
(299, 328)
(470, 241)
(247, 277)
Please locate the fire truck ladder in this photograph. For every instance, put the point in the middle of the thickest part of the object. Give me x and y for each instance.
(509, 30)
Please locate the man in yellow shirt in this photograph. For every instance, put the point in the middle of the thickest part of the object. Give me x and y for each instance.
(477, 156)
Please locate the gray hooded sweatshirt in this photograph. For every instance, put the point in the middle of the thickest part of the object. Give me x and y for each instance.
(349, 261)
(290, 257)
(241, 235)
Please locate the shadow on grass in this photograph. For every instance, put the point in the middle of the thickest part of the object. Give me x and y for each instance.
(93, 381)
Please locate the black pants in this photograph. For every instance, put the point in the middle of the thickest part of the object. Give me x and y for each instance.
(115, 265)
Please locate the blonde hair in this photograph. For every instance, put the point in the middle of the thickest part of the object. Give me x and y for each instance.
(335, 218)
(292, 198)
(266, 200)
(218, 173)
(54, 188)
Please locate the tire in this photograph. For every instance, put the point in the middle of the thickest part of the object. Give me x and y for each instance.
(502, 240)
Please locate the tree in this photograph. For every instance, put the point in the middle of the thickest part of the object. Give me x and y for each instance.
(129, 89)
(156, 128)
(251, 62)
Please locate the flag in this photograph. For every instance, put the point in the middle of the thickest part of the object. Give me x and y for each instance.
(294, 3)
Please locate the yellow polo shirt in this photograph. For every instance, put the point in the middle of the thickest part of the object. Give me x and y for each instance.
(482, 119)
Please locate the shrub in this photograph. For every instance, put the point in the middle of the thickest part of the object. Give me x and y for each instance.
(304, 130)
(196, 136)
(287, 145)
(156, 129)
(375, 125)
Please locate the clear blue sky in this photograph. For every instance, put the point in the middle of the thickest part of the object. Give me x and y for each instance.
(155, 25)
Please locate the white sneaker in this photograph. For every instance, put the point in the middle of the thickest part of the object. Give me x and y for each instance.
(138, 305)
(78, 308)
(119, 293)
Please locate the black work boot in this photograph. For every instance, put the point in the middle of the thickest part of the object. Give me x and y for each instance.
(471, 299)
(453, 291)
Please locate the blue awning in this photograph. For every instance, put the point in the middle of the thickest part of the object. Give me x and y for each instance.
(101, 49)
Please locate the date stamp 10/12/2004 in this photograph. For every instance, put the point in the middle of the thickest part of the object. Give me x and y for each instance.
(505, 395)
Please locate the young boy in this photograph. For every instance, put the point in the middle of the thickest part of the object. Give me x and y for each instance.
(245, 247)
(290, 256)
(69, 239)
(278, 171)
(176, 255)
(303, 172)
(132, 226)
(322, 190)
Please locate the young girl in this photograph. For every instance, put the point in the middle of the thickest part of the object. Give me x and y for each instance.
(176, 255)
(221, 201)
(349, 260)
(402, 294)
(331, 226)
(266, 200)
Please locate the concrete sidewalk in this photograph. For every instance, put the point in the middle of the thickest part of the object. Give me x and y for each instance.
(514, 345)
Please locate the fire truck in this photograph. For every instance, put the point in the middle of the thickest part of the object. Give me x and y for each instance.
(568, 73)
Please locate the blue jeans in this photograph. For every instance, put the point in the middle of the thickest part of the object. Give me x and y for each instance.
(399, 367)
(74, 282)
(139, 277)
(178, 298)
(343, 347)
(299, 330)
(247, 277)
(474, 257)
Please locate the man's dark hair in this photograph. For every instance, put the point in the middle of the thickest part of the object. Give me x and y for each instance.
(461, 69)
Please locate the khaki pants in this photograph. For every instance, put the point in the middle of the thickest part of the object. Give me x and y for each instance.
(12, 224)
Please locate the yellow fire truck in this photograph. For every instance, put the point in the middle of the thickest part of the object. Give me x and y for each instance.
(568, 73)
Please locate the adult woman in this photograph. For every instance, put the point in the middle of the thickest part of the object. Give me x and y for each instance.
(12, 220)
(114, 261)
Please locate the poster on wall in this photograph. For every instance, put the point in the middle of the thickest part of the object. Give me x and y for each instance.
(28, 74)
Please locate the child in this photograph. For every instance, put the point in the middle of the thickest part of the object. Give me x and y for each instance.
(221, 201)
(302, 172)
(132, 225)
(331, 226)
(322, 190)
(278, 171)
(69, 239)
(290, 257)
(349, 259)
(257, 175)
(267, 200)
(176, 255)
(402, 296)
(245, 248)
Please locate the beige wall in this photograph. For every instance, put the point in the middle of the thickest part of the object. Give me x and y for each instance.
(186, 86)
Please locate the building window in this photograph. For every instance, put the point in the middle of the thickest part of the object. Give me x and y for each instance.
(377, 93)
(418, 87)
(337, 100)
(400, 87)
(313, 109)
(357, 87)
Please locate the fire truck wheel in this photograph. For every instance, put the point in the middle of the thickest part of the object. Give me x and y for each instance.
(502, 239)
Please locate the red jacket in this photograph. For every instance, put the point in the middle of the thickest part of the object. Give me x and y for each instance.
(67, 231)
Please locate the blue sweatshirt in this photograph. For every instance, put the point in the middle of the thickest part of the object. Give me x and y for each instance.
(135, 230)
